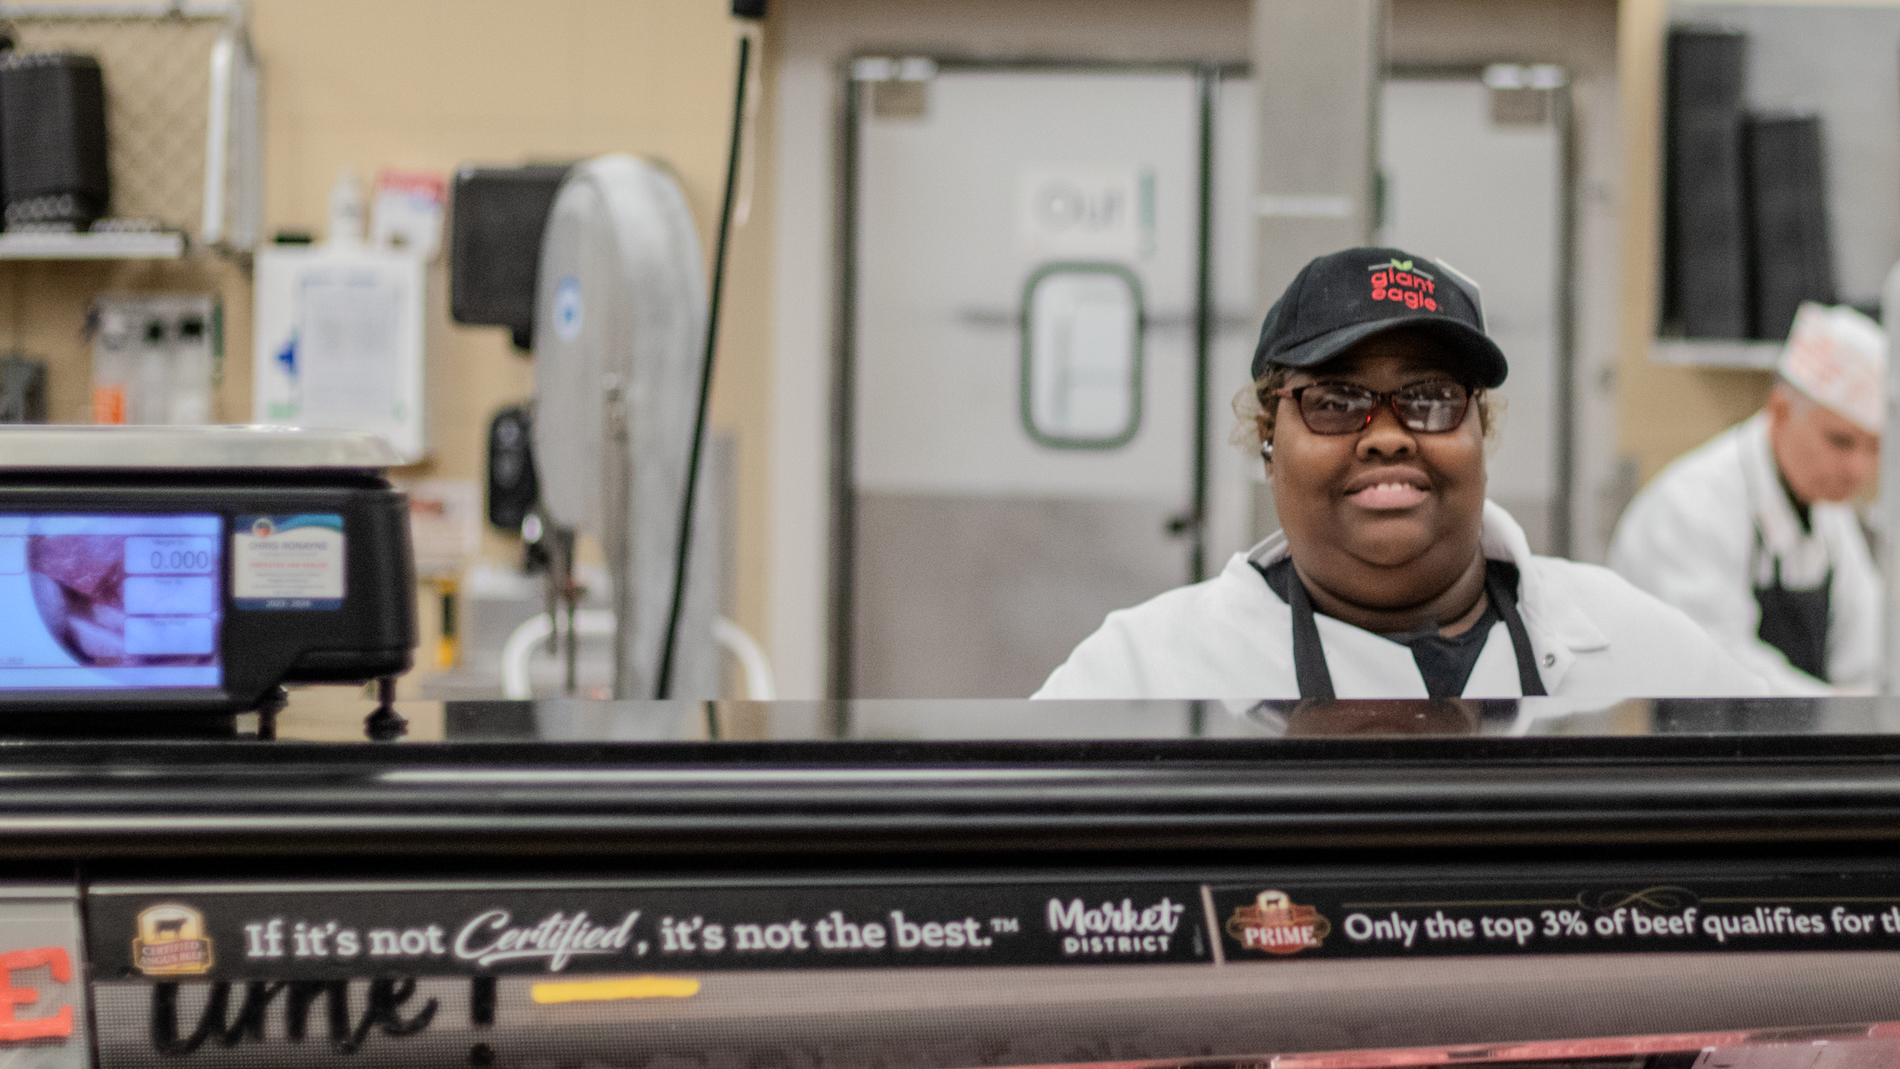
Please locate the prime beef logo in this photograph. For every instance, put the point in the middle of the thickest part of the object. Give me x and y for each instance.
(1274, 924)
(171, 941)
(1398, 280)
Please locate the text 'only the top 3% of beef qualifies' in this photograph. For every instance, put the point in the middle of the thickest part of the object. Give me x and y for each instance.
(1656, 918)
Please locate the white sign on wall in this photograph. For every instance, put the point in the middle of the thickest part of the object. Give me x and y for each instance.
(340, 342)
(1086, 213)
(445, 524)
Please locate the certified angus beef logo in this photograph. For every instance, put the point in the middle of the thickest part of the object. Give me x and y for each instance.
(1398, 280)
(1274, 924)
(171, 941)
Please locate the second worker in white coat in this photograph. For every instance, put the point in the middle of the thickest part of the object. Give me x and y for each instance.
(1751, 533)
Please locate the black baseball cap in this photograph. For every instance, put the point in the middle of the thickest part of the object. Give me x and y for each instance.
(1343, 298)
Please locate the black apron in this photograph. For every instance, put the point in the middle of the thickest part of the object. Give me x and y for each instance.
(1309, 656)
(1794, 621)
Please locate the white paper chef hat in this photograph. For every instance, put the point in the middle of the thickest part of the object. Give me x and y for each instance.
(1839, 357)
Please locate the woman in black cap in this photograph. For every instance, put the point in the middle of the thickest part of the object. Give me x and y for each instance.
(1392, 576)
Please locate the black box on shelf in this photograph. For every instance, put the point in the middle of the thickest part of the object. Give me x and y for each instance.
(1705, 253)
(52, 140)
(1791, 254)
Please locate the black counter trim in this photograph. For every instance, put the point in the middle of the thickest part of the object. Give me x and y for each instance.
(82, 800)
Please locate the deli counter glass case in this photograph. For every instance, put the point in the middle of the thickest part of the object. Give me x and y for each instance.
(949, 885)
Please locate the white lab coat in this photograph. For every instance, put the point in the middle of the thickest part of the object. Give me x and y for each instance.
(1592, 634)
(1687, 538)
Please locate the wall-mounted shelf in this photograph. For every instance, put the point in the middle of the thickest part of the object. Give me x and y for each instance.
(88, 246)
(182, 116)
(1716, 353)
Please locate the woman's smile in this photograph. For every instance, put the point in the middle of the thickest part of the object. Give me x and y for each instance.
(1389, 489)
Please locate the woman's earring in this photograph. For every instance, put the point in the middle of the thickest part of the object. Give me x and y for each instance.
(1266, 450)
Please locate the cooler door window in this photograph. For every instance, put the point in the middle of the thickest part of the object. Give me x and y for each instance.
(1082, 356)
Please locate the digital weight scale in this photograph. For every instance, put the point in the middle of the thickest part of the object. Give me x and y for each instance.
(197, 569)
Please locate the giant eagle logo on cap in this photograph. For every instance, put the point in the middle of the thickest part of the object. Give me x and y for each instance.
(1398, 280)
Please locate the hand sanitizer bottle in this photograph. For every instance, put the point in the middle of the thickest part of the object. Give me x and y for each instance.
(150, 402)
(191, 371)
(112, 362)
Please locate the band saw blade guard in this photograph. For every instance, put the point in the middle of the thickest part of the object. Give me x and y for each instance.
(620, 315)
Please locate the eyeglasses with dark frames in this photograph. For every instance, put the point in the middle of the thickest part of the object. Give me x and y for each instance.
(1342, 408)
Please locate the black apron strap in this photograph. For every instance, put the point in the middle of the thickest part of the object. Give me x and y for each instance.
(1528, 679)
(1309, 656)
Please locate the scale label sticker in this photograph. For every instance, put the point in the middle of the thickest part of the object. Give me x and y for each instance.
(287, 562)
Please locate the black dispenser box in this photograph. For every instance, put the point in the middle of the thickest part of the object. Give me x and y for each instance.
(52, 140)
(496, 217)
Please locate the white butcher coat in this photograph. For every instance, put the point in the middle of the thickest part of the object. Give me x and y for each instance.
(1231, 637)
(1687, 538)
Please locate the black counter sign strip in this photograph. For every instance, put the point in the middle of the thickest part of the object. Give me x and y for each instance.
(494, 975)
(1268, 923)
(313, 933)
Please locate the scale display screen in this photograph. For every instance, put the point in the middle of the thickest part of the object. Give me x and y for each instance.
(108, 602)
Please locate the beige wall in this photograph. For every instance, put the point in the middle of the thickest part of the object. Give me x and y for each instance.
(43, 308)
(428, 85)
(43, 305)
